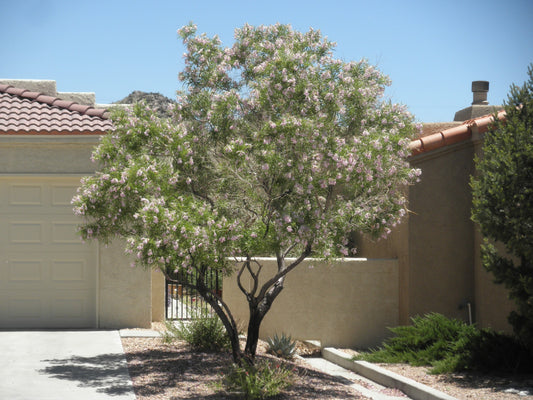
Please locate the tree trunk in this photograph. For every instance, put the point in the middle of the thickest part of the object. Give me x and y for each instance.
(258, 309)
(228, 322)
(221, 309)
(252, 338)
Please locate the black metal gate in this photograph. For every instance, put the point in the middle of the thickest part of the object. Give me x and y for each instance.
(185, 303)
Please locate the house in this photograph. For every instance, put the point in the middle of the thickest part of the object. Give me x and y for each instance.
(438, 246)
(49, 278)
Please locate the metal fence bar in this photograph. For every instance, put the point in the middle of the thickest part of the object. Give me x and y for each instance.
(185, 303)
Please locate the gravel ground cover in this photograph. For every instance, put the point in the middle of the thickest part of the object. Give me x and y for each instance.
(467, 386)
(169, 372)
(160, 371)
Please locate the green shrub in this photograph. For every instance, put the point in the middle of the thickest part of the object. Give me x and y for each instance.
(171, 333)
(282, 346)
(260, 381)
(425, 341)
(449, 345)
(205, 333)
(485, 350)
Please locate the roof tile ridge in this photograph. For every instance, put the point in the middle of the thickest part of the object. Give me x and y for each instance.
(81, 108)
(96, 112)
(15, 91)
(454, 134)
(46, 99)
(58, 102)
(28, 94)
(482, 123)
(439, 139)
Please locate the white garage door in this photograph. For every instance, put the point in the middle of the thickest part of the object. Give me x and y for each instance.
(47, 275)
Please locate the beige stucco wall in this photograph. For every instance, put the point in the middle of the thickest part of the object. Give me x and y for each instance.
(348, 303)
(441, 234)
(395, 246)
(124, 292)
(35, 154)
(158, 296)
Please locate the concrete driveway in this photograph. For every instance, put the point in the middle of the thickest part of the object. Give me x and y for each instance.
(63, 365)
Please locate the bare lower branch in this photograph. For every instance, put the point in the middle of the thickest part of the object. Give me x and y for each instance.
(283, 271)
(255, 275)
(239, 283)
(292, 246)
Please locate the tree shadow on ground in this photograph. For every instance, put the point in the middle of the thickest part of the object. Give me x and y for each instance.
(179, 373)
(495, 382)
(107, 373)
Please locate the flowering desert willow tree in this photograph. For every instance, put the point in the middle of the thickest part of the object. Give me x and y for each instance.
(276, 148)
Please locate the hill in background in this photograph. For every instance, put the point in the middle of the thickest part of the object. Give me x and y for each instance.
(156, 101)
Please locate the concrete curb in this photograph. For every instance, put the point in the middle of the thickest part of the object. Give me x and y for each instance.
(147, 333)
(411, 388)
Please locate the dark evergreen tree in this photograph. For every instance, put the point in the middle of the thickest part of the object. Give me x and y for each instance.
(503, 204)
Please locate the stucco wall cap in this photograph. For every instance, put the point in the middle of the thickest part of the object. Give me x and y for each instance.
(452, 135)
(483, 123)
(432, 141)
(456, 134)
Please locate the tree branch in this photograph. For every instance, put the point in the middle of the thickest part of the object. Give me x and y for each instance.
(255, 275)
(239, 283)
(282, 271)
(292, 246)
(203, 197)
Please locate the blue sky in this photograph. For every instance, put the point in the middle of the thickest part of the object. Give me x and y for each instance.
(431, 50)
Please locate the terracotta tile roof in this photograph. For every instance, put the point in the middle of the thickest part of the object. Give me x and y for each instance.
(429, 128)
(23, 112)
(453, 135)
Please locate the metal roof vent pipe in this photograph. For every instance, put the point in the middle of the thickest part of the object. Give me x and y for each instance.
(480, 90)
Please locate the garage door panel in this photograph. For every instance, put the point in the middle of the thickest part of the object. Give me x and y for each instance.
(69, 271)
(40, 194)
(36, 310)
(69, 307)
(24, 308)
(61, 195)
(26, 195)
(65, 233)
(24, 270)
(25, 232)
(47, 274)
